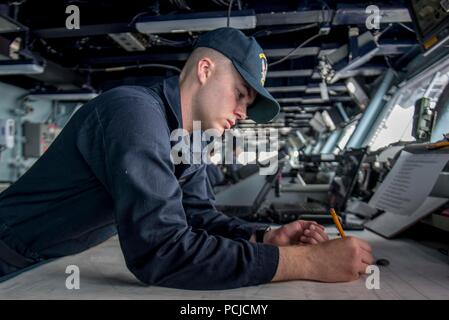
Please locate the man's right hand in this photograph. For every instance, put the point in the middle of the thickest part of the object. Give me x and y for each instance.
(336, 260)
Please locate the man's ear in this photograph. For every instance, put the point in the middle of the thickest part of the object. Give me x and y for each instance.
(205, 68)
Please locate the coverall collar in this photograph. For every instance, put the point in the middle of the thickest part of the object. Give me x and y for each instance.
(173, 96)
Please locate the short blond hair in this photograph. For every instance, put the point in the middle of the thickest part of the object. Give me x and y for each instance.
(198, 54)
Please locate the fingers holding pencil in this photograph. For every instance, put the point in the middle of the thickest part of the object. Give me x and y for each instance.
(337, 223)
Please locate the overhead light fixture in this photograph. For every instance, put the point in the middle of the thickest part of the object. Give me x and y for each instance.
(64, 95)
(342, 62)
(301, 137)
(324, 91)
(357, 93)
(244, 19)
(21, 66)
(318, 123)
(297, 141)
(10, 48)
(129, 41)
(351, 87)
(328, 120)
(8, 25)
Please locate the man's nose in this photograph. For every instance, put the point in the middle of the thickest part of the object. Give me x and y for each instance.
(241, 114)
(241, 111)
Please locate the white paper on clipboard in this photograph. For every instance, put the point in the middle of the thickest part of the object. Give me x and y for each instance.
(409, 182)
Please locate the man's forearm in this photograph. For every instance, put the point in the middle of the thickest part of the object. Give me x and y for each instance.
(294, 263)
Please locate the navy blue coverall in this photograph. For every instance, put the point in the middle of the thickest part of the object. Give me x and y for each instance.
(109, 171)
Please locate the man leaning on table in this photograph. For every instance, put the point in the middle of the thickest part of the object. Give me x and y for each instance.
(109, 171)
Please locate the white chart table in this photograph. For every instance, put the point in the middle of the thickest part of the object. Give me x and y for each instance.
(415, 272)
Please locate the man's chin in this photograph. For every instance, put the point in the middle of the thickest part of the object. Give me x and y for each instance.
(216, 130)
(220, 131)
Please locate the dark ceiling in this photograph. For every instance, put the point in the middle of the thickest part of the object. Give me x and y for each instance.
(91, 57)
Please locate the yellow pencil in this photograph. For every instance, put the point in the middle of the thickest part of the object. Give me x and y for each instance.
(438, 145)
(337, 223)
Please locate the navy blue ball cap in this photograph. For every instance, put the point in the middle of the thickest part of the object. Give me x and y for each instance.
(250, 61)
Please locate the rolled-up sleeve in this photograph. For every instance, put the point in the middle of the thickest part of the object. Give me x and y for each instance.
(127, 145)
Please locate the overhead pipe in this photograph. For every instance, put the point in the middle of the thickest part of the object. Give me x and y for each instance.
(371, 112)
(331, 142)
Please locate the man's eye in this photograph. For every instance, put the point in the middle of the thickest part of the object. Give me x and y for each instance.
(240, 95)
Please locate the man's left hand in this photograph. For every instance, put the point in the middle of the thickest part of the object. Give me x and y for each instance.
(298, 232)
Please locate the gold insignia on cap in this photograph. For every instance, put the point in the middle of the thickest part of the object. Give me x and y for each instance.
(264, 68)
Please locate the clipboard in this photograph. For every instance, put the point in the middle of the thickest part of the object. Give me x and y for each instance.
(389, 224)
